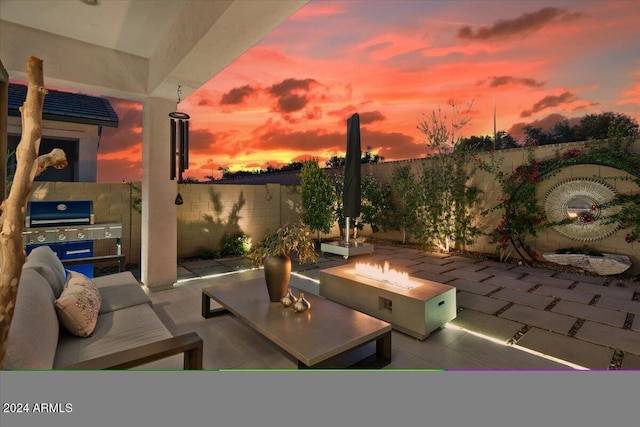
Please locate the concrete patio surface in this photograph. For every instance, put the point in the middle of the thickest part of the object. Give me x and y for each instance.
(510, 317)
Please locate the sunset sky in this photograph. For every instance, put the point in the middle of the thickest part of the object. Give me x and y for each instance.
(288, 98)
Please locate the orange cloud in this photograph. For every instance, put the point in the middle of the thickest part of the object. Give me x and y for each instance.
(631, 95)
(129, 131)
(120, 169)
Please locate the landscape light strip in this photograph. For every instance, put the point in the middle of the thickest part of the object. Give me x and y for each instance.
(518, 347)
(316, 281)
(181, 282)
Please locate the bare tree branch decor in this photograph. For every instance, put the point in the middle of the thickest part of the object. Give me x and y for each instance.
(14, 207)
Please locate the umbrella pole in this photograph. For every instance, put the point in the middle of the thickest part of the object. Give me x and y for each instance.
(346, 232)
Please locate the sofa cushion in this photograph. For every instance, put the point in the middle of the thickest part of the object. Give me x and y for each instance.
(33, 335)
(79, 304)
(120, 290)
(115, 331)
(47, 263)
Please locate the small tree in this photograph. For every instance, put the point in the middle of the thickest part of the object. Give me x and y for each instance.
(375, 203)
(317, 198)
(29, 165)
(445, 196)
(404, 201)
(337, 183)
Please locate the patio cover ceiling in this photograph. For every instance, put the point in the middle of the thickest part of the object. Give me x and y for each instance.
(130, 48)
(139, 50)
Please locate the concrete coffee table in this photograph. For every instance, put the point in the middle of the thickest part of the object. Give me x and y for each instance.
(317, 338)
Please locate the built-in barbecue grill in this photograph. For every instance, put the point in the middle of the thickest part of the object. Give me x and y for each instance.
(69, 228)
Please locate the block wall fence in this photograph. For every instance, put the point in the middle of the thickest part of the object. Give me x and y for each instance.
(547, 240)
(211, 210)
(207, 213)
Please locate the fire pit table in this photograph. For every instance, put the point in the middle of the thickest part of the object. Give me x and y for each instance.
(416, 307)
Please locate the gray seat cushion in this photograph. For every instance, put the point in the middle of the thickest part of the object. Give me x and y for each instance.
(47, 263)
(120, 290)
(115, 331)
(33, 335)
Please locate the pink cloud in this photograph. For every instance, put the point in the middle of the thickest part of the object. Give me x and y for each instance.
(317, 10)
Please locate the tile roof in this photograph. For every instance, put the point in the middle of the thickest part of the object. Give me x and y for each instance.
(282, 178)
(67, 107)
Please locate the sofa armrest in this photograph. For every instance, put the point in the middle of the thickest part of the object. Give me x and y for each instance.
(190, 344)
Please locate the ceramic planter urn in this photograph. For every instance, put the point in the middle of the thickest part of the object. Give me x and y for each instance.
(277, 271)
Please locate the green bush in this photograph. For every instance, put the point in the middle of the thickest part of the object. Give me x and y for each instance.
(317, 198)
(206, 253)
(234, 244)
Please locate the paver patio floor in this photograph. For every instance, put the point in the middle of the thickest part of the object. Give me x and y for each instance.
(509, 317)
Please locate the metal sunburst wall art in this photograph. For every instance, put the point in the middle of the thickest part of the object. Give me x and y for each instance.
(581, 200)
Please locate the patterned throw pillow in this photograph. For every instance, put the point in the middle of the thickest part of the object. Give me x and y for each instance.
(79, 304)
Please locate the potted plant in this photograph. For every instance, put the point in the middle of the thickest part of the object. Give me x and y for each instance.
(273, 252)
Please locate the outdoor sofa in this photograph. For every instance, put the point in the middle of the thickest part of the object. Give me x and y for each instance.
(127, 333)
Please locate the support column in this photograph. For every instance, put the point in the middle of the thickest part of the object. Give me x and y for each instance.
(159, 214)
(4, 112)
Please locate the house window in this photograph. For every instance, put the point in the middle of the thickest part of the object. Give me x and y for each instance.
(70, 147)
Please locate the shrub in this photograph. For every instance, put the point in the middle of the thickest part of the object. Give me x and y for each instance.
(234, 244)
(317, 198)
(206, 253)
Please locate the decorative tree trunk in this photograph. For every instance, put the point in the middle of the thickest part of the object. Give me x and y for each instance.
(14, 207)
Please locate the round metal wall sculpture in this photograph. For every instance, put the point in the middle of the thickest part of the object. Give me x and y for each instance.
(581, 200)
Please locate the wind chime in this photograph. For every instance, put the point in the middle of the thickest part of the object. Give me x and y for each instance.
(179, 144)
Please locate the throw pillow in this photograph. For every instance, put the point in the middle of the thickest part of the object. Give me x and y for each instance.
(79, 304)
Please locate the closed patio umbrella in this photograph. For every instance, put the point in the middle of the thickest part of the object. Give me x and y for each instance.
(351, 198)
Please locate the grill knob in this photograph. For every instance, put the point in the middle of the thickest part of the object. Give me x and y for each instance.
(62, 236)
(107, 233)
(41, 238)
(81, 235)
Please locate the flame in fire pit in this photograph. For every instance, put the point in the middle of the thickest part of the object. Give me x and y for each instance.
(385, 274)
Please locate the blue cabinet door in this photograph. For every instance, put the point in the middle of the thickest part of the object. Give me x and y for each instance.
(75, 250)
